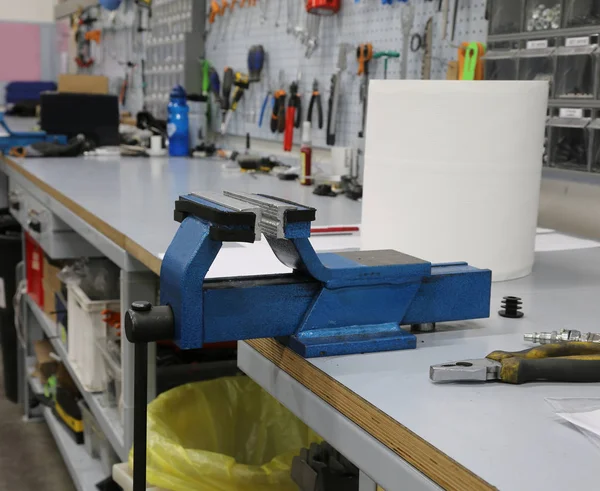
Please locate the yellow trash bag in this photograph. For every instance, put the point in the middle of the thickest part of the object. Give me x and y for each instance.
(226, 434)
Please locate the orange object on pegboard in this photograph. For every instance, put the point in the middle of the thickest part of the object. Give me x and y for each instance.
(323, 7)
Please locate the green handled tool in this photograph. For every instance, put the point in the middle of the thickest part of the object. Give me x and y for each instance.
(386, 55)
(561, 362)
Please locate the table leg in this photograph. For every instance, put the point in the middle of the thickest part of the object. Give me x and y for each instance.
(365, 483)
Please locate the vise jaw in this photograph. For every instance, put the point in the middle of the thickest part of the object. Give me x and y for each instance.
(330, 304)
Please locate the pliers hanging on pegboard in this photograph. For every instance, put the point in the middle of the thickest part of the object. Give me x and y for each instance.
(279, 98)
(293, 116)
(315, 99)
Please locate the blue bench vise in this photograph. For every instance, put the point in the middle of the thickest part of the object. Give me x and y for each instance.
(24, 138)
(332, 303)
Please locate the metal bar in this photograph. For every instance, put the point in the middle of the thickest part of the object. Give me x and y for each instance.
(140, 415)
(576, 103)
(365, 483)
(566, 32)
(135, 286)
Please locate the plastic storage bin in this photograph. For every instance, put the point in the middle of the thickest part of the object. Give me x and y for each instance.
(543, 15)
(582, 13)
(576, 69)
(91, 431)
(114, 378)
(506, 16)
(594, 130)
(536, 61)
(227, 434)
(85, 326)
(500, 62)
(569, 140)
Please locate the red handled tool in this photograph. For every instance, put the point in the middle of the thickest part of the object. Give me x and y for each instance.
(292, 117)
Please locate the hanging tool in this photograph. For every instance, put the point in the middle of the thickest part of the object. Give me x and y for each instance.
(454, 17)
(315, 10)
(226, 87)
(263, 6)
(386, 55)
(564, 336)
(129, 66)
(323, 7)
(279, 4)
(428, 44)
(229, 20)
(256, 62)
(214, 84)
(315, 99)
(293, 116)
(407, 17)
(330, 304)
(561, 362)
(278, 115)
(470, 61)
(241, 82)
(445, 8)
(84, 23)
(364, 54)
(215, 9)
(334, 93)
(269, 97)
(94, 35)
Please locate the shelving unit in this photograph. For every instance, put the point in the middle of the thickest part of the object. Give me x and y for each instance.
(563, 47)
(85, 471)
(108, 418)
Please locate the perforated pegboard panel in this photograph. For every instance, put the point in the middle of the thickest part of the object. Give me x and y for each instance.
(367, 21)
(120, 44)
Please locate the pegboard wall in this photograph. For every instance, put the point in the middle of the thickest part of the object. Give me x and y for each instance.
(120, 44)
(267, 24)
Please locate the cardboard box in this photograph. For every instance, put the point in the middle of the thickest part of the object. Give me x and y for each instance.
(452, 71)
(50, 275)
(49, 302)
(83, 84)
(46, 364)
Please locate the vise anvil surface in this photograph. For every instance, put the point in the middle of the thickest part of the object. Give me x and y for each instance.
(330, 304)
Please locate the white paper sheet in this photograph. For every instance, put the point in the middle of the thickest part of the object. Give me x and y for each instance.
(589, 420)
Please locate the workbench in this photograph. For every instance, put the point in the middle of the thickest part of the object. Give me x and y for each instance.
(380, 410)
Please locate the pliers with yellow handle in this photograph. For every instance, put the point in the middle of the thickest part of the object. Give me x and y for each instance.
(561, 362)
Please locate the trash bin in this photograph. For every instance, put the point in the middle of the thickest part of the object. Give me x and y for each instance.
(10, 255)
(226, 434)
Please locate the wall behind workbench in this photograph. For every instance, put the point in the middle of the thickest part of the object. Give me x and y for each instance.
(28, 49)
(367, 21)
(120, 44)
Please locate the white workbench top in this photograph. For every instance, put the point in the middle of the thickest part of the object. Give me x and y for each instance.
(506, 434)
(136, 196)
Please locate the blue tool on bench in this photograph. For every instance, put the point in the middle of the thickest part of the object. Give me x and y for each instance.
(330, 304)
(24, 138)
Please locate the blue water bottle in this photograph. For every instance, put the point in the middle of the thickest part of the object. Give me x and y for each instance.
(178, 124)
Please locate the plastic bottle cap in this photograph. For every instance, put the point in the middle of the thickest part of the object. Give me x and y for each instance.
(306, 133)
